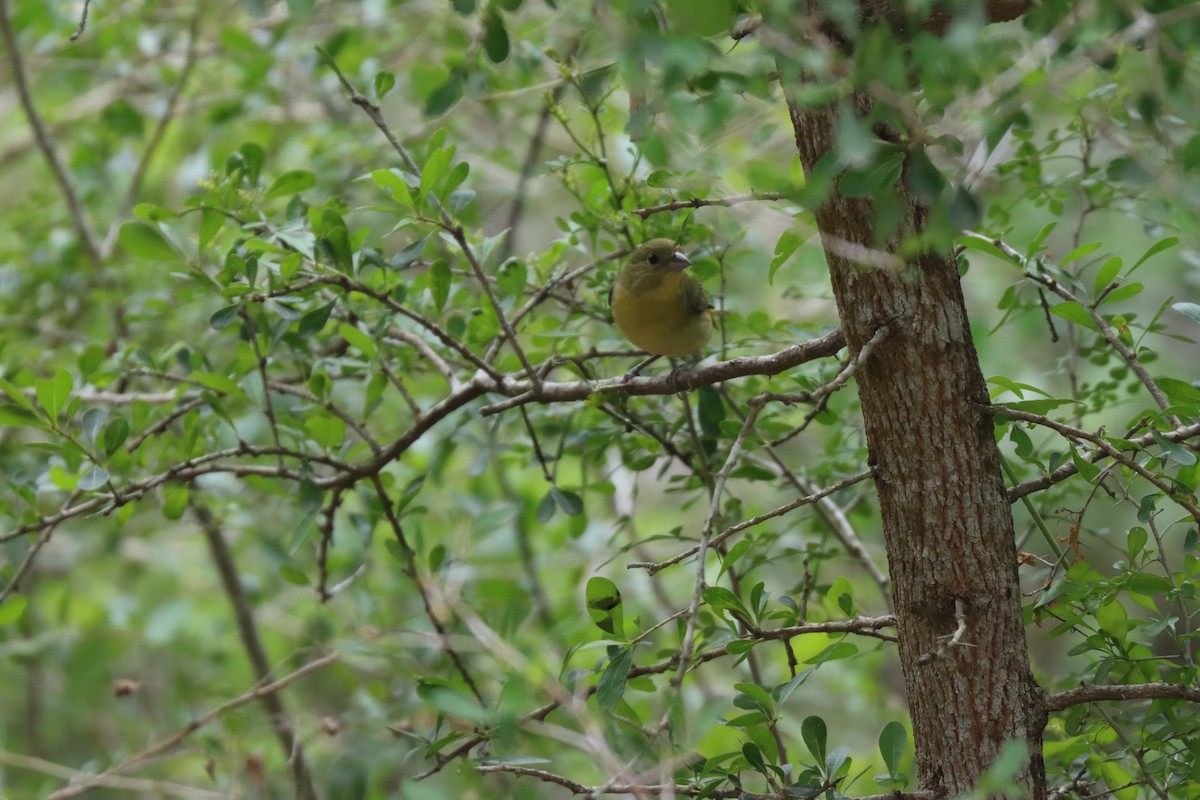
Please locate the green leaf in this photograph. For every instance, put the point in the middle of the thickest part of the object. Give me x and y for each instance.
(409, 254)
(611, 686)
(292, 182)
(17, 417)
(547, 507)
(16, 395)
(570, 503)
(604, 606)
(1135, 541)
(211, 222)
(789, 241)
(1173, 451)
(1105, 275)
(731, 558)
(1080, 252)
(224, 317)
(253, 157)
(13, 609)
(1189, 310)
(292, 574)
(814, 733)
(834, 652)
(1074, 312)
(711, 411)
(495, 37)
(358, 339)
(881, 176)
(314, 321)
(1087, 469)
(175, 500)
(1039, 406)
(439, 282)
(892, 743)
(754, 757)
(1113, 619)
(1122, 293)
(443, 98)
(114, 435)
(1179, 392)
(143, 241)
(217, 382)
(325, 429)
(384, 81)
(1153, 250)
(53, 393)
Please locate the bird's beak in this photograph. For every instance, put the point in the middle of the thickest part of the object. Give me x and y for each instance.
(679, 261)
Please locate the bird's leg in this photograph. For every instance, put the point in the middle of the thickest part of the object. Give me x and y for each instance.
(678, 368)
(631, 374)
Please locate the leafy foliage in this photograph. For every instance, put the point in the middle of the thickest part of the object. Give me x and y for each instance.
(338, 291)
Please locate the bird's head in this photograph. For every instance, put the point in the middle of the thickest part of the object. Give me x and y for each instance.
(659, 255)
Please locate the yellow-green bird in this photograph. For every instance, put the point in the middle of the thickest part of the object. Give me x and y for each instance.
(658, 307)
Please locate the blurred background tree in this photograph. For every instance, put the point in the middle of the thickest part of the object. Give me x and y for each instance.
(321, 478)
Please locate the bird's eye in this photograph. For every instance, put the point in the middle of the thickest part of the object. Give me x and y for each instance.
(653, 259)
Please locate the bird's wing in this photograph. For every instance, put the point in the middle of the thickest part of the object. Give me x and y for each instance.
(697, 299)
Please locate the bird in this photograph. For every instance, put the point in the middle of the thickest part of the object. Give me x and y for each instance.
(657, 306)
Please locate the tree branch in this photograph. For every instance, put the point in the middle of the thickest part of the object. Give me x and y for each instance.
(1141, 691)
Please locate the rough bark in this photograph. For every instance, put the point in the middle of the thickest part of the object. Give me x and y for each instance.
(946, 519)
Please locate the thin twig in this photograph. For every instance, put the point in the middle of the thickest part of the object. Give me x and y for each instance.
(697, 202)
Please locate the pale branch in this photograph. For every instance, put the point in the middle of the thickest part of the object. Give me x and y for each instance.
(521, 392)
(1109, 449)
(656, 567)
(45, 143)
(139, 786)
(698, 202)
(1093, 693)
(88, 782)
(480, 384)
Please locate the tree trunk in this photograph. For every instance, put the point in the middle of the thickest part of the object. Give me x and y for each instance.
(946, 520)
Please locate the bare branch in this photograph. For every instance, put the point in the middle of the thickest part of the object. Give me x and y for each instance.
(697, 202)
(1139, 691)
(137, 785)
(706, 375)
